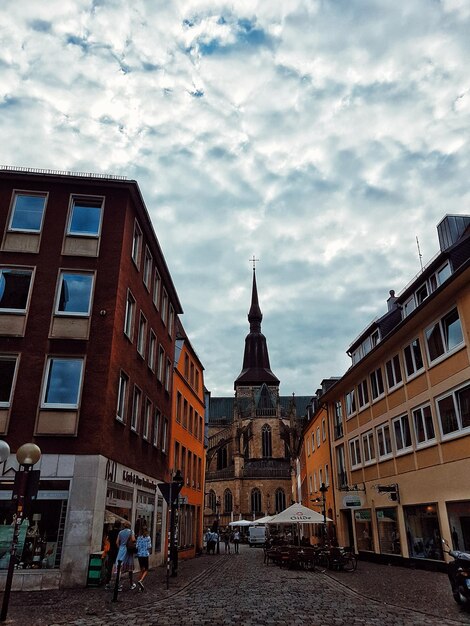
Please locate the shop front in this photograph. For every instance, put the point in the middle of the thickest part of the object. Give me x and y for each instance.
(422, 531)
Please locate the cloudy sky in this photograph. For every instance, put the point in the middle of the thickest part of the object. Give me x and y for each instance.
(322, 136)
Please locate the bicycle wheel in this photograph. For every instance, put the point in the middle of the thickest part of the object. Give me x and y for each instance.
(349, 562)
(322, 561)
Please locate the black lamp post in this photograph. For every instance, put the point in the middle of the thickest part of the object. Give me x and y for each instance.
(175, 488)
(217, 504)
(322, 502)
(25, 488)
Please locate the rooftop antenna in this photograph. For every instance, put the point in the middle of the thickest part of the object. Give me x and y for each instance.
(419, 253)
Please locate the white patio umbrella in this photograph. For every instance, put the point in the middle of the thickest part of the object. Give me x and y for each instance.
(241, 522)
(262, 520)
(297, 514)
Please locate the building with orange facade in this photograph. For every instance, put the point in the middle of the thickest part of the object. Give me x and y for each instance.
(316, 491)
(400, 417)
(187, 442)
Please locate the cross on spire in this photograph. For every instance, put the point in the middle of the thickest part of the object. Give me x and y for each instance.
(254, 261)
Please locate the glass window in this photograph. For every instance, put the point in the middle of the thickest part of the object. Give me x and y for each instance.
(7, 376)
(401, 429)
(228, 501)
(147, 419)
(129, 316)
(318, 437)
(147, 276)
(14, 289)
(323, 429)
(423, 425)
(152, 350)
(444, 335)
(413, 358)
(341, 465)
(363, 393)
(409, 306)
(355, 452)
(266, 441)
(161, 361)
(256, 501)
(136, 404)
(136, 244)
(74, 294)
(454, 411)
(376, 383)
(63, 383)
(122, 397)
(393, 370)
(350, 403)
(85, 216)
(387, 526)
(422, 532)
(280, 500)
(384, 442)
(443, 274)
(421, 294)
(142, 335)
(156, 288)
(28, 212)
(171, 318)
(165, 307)
(164, 434)
(168, 375)
(363, 522)
(368, 447)
(156, 428)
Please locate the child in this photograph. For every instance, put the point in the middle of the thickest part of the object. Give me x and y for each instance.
(144, 545)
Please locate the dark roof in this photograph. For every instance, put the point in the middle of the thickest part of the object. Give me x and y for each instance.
(221, 409)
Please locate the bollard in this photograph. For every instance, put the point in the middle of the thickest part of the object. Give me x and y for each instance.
(117, 581)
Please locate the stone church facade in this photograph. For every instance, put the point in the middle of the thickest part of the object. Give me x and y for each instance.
(252, 438)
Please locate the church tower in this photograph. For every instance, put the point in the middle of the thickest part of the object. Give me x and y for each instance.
(252, 437)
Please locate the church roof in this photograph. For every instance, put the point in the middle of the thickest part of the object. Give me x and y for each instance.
(256, 368)
(221, 409)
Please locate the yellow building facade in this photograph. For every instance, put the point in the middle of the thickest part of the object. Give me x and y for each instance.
(400, 417)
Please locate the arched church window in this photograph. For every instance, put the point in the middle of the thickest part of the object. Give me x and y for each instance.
(267, 440)
(212, 500)
(280, 500)
(256, 501)
(222, 458)
(228, 501)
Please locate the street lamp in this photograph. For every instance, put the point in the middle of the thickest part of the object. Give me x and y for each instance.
(322, 502)
(25, 487)
(217, 504)
(175, 488)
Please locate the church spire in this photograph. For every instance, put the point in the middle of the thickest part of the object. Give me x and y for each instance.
(256, 369)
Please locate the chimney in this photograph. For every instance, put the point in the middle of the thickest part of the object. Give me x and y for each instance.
(392, 301)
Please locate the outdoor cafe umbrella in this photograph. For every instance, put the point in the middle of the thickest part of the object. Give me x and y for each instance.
(241, 522)
(298, 514)
(262, 520)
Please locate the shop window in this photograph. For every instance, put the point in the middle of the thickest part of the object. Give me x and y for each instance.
(129, 315)
(376, 383)
(28, 212)
(145, 512)
(423, 425)
(368, 447)
(384, 442)
(454, 411)
(422, 531)
(413, 358)
(402, 433)
(122, 397)
(350, 403)
(63, 382)
(158, 525)
(85, 216)
(74, 294)
(459, 524)
(393, 370)
(364, 537)
(444, 335)
(354, 453)
(7, 377)
(363, 394)
(14, 289)
(387, 527)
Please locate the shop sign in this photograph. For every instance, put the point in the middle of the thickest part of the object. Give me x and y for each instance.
(135, 479)
(363, 516)
(352, 501)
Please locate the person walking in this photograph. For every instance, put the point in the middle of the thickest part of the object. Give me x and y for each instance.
(226, 538)
(236, 541)
(125, 553)
(144, 545)
(112, 552)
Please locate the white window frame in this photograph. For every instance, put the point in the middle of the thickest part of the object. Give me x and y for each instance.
(142, 335)
(147, 272)
(136, 250)
(129, 315)
(152, 355)
(368, 450)
(168, 375)
(416, 371)
(318, 437)
(391, 373)
(164, 434)
(157, 287)
(123, 387)
(11, 358)
(308, 446)
(59, 291)
(148, 412)
(16, 194)
(327, 475)
(171, 323)
(161, 363)
(136, 408)
(461, 430)
(363, 395)
(350, 403)
(400, 420)
(65, 405)
(440, 325)
(418, 415)
(73, 199)
(323, 429)
(313, 441)
(164, 311)
(355, 458)
(157, 418)
(377, 377)
(409, 306)
(381, 429)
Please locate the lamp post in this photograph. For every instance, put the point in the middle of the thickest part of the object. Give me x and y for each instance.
(25, 488)
(175, 488)
(322, 502)
(217, 506)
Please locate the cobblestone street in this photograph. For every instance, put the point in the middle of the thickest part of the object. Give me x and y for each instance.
(241, 590)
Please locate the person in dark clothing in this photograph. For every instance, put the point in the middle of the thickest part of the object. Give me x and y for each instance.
(113, 550)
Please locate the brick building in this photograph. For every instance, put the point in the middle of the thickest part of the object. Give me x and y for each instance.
(252, 438)
(87, 343)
